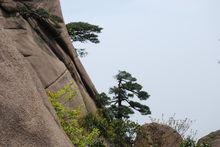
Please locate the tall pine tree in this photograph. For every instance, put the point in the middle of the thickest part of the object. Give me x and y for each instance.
(124, 97)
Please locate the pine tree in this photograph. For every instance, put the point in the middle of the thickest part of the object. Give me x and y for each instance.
(83, 32)
(123, 103)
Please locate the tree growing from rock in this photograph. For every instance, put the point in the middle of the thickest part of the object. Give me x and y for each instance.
(121, 105)
(83, 32)
(124, 98)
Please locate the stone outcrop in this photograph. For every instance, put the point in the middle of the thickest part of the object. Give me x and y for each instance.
(36, 58)
(158, 135)
(212, 139)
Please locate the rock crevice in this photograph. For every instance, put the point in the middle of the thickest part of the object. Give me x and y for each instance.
(34, 60)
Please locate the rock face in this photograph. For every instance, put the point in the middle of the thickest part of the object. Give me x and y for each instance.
(34, 60)
(158, 135)
(212, 139)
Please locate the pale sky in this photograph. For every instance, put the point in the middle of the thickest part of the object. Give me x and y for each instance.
(171, 46)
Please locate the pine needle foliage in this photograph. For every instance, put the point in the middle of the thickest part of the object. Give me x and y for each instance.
(124, 95)
(27, 11)
(113, 118)
(83, 32)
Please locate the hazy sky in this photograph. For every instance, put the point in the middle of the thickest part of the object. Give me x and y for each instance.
(171, 46)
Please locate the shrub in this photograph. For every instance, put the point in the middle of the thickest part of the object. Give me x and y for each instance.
(189, 142)
(182, 126)
(117, 132)
(69, 119)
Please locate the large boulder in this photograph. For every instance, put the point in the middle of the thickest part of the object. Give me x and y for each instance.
(33, 61)
(212, 139)
(159, 135)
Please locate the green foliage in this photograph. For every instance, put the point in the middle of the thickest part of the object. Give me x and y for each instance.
(65, 92)
(41, 19)
(113, 119)
(81, 52)
(126, 131)
(117, 132)
(83, 32)
(204, 145)
(122, 103)
(69, 119)
(41, 14)
(189, 142)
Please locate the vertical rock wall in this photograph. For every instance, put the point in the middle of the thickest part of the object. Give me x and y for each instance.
(33, 61)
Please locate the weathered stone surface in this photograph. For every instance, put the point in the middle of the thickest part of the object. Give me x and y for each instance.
(212, 139)
(80, 74)
(77, 101)
(9, 5)
(32, 62)
(158, 135)
(25, 120)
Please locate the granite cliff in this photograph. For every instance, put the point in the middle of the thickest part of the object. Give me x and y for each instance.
(37, 56)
